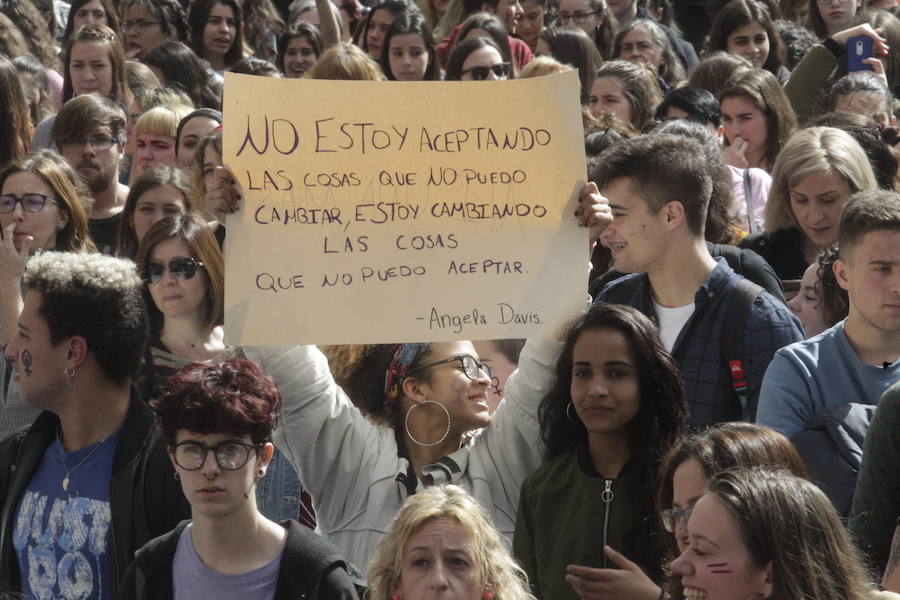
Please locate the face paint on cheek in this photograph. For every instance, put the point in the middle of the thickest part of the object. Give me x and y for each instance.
(719, 568)
(26, 362)
(459, 388)
(495, 386)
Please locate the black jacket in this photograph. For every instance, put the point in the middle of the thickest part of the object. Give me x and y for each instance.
(783, 249)
(310, 568)
(145, 499)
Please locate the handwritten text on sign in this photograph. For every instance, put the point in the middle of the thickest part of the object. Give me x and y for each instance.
(388, 212)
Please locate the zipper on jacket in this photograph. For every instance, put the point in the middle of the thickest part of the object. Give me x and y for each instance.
(607, 497)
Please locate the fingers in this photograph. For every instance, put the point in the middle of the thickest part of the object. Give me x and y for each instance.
(865, 29)
(877, 67)
(619, 559)
(7, 233)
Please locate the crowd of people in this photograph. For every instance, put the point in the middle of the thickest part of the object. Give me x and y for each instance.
(719, 424)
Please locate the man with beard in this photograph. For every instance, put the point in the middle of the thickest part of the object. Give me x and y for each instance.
(90, 133)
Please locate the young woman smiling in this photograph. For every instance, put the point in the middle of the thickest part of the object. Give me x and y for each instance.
(769, 534)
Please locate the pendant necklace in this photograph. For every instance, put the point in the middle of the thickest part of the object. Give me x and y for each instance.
(62, 459)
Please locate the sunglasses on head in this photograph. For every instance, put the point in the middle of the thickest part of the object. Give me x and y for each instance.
(480, 73)
(180, 268)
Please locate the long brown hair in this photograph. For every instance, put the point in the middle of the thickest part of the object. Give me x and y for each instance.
(762, 89)
(59, 177)
(722, 447)
(15, 120)
(788, 522)
(99, 34)
(201, 242)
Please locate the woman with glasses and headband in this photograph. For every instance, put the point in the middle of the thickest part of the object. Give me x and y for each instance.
(40, 209)
(693, 462)
(218, 420)
(149, 23)
(615, 409)
(477, 59)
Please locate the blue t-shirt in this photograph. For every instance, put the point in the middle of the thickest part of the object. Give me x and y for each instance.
(61, 537)
(192, 579)
(822, 371)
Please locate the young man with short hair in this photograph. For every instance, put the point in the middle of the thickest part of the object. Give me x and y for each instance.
(658, 188)
(859, 358)
(89, 483)
(90, 133)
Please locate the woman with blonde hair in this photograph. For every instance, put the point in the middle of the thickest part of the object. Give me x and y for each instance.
(345, 61)
(815, 174)
(155, 133)
(443, 542)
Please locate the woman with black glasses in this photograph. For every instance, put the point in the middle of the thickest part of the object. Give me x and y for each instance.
(477, 59)
(218, 421)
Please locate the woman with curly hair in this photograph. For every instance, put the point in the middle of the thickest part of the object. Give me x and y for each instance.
(149, 23)
(443, 544)
(615, 409)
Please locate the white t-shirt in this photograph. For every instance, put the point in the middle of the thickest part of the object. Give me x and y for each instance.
(671, 322)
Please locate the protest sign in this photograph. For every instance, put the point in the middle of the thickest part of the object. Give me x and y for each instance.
(385, 212)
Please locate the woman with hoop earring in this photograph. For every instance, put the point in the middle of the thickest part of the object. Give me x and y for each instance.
(419, 417)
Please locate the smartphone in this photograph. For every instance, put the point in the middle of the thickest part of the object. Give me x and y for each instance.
(858, 49)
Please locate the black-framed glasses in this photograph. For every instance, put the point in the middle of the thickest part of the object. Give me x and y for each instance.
(580, 17)
(32, 203)
(98, 142)
(139, 24)
(471, 367)
(230, 456)
(180, 268)
(480, 73)
(670, 517)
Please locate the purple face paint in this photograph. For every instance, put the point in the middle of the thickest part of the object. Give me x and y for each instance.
(718, 568)
(26, 362)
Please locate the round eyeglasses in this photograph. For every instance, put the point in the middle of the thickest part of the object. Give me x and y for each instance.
(471, 367)
(31, 203)
(230, 456)
(670, 517)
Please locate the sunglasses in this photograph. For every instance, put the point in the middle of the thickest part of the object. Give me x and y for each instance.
(480, 73)
(180, 268)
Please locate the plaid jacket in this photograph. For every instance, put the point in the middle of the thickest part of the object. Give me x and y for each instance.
(698, 349)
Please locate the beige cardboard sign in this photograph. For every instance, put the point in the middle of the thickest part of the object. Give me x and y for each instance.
(397, 212)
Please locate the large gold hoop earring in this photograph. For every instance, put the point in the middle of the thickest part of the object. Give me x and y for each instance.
(409, 433)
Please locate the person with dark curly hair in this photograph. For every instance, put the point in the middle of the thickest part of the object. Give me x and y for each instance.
(149, 23)
(615, 409)
(217, 420)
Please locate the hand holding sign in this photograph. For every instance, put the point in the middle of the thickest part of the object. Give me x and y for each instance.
(362, 224)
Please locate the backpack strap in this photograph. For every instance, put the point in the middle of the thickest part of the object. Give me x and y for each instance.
(748, 202)
(740, 303)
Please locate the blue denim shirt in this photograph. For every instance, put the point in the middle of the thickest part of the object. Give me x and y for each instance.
(698, 349)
